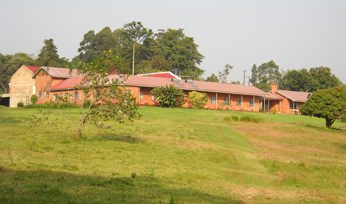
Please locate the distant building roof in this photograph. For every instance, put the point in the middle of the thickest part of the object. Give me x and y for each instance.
(295, 96)
(168, 75)
(33, 69)
(58, 72)
(70, 83)
(189, 85)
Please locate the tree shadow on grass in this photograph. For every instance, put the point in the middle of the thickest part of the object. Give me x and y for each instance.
(115, 137)
(333, 129)
(58, 187)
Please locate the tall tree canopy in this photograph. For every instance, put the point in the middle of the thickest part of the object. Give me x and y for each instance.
(309, 80)
(329, 104)
(265, 75)
(9, 64)
(161, 51)
(48, 55)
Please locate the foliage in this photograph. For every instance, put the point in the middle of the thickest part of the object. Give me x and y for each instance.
(266, 74)
(329, 104)
(197, 99)
(168, 96)
(33, 99)
(309, 80)
(212, 78)
(223, 75)
(109, 99)
(161, 51)
(20, 105)
(48, 55)
(9, 65)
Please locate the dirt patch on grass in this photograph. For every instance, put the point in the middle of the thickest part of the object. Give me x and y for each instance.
(269, 195)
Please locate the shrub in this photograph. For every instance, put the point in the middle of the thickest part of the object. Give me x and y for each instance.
(235, 118)
(33, 99)
(20, 104)
(168, 96)
(250, 119)
(197, 99)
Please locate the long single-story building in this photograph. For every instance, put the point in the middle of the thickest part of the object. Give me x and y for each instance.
(51, 82)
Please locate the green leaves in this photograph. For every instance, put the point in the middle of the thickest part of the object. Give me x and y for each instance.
(329, 104)
(161, 51)
(168, 96)
(265, 74)
(197, 99)
(309, 80)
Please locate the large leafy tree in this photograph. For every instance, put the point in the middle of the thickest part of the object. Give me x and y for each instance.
(329, 104)
(265, 75)
(137, 45)
(48, 55)
(309, 80)
(9, 64)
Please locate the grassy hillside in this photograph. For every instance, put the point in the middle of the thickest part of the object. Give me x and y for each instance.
(172, 156)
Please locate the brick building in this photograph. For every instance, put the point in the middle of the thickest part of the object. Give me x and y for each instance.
(22, 85)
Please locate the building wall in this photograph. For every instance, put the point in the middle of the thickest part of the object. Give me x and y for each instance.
(43, 83)
(22, 87)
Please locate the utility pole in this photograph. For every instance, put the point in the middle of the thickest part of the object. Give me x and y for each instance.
(244, 77)
(133, 58)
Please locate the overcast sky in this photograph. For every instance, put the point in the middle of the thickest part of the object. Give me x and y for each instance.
(294, 33)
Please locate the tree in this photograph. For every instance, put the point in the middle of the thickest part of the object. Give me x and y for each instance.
(9, 64)
(223, 75)
(181, 51)
(265, 75)
(168, 96)
(136, 45)
(329, 104)
(107, 97)
(48, 55)
(254, 73)
(299, 80)
(212, 78)
(197, 99)
(309, 80)
(324, 77)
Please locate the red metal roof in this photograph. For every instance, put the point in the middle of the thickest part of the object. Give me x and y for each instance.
(33, 69)
(296, 96)
(168, 75)
(58, 72)
(190, 85)
(67, 84)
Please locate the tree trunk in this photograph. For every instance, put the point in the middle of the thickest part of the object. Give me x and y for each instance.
(329, 122)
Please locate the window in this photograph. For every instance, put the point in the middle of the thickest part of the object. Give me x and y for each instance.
(76, 95)
(239, 102)
(293, 105)
(40, 94)
(141, 95)
(226, 101)
(55, 96)
(251, 102)
(213, 100)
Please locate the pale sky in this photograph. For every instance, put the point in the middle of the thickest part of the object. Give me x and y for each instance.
(294, 33)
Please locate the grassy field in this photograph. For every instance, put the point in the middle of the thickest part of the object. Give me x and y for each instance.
(172, 156)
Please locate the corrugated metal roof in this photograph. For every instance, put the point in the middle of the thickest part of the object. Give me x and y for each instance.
(296, 96)
(190, 85)
(58, 72)
(33, 69)
(67, 84)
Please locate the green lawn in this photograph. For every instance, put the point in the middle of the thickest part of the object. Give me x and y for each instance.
(171, 156)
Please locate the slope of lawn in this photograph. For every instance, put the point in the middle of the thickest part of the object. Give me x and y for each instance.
(171, 156)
